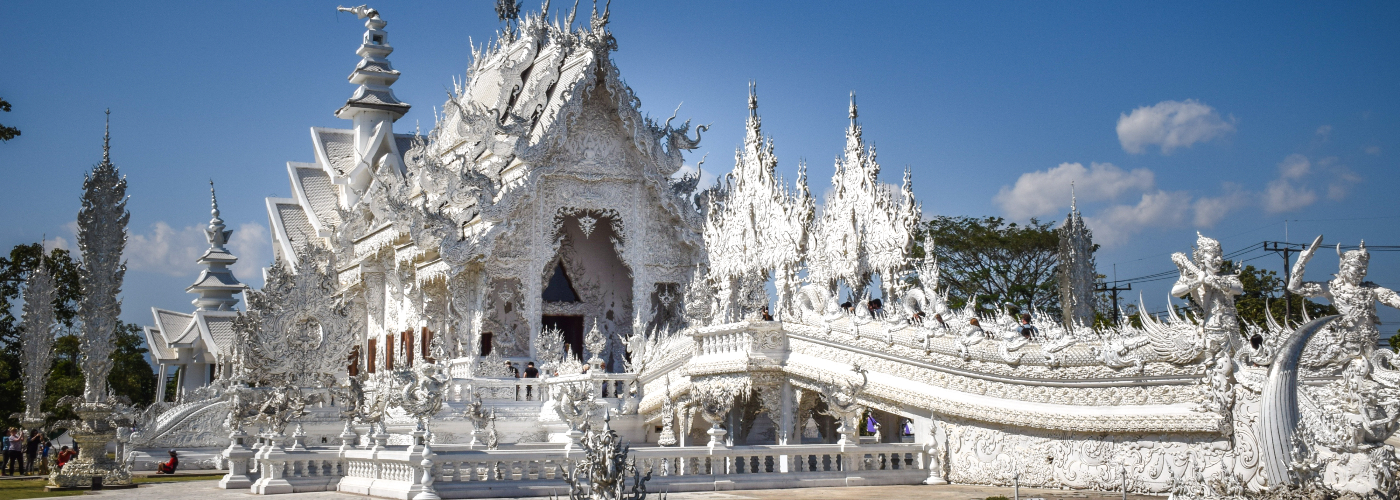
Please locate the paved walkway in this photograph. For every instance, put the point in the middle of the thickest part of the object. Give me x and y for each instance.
(208, 490)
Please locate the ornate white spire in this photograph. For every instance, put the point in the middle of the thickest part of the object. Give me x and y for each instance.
(216, 285)
(107, 138)
(101, 239)
(1077, 272)
(373, 74)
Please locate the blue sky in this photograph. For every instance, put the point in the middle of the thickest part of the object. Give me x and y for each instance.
(1171, 118)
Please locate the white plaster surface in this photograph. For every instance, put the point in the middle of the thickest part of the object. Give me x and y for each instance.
(207, 490)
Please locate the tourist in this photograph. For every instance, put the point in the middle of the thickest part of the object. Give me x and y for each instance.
(977, 328)
(939, 317)
(763, 313)
(64, 455)
(168, 467)
(1028, 330)
(6, 466)
(530, 372)
(44, 454)
(16, 452)
(514, 372)
(31, 449)
(876, 308)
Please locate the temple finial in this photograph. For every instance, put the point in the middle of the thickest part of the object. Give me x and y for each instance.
(213, 200)
(1073, 200)
(853, 113)
(107, 139)
(753, 98)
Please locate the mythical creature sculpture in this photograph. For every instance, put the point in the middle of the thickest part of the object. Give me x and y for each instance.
(603, 471)
(419, 391)
(841, 403)
(1212, 291)
(926, 300)
(1354, 299)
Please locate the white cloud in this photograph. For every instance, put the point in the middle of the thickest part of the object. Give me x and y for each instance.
(1324, 132)
(253, 247)
(1170, 125)
(1115, 224)
(1295, 166)
(1046, 192)
(166, 250)
(1373, 150)
(174, 252)
(1211, 210)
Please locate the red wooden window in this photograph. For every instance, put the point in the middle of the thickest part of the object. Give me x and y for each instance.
(354, 361)
(427, 341)
(372, 352)
(389, 352)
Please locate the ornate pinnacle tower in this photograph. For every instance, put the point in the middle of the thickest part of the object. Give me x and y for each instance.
(1077, 275)
(101, 238)
(373, 102)
(216, 285)
(37, 340)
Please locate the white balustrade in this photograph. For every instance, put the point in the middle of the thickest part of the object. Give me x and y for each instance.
(537, 472)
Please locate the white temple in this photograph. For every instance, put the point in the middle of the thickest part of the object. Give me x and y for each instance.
(541, 221)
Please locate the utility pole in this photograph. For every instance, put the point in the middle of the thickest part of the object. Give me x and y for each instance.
(1286, 249)
(1114, 290)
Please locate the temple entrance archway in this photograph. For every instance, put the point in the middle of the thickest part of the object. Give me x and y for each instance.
(587, 284)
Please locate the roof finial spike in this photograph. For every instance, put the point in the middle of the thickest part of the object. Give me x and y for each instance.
(753, 98)
(107, 139)
(1073, 200)
(853, 109)
(213, 200)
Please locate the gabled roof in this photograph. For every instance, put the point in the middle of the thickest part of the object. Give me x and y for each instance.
(170, 323)
(335, 150)
(291, 228)
(216, 328)
(312, 187)
(156, 343)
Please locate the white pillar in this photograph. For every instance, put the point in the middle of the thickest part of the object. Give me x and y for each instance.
(160, 383)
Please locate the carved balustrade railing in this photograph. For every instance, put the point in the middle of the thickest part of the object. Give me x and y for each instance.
(309, 469)
(603, 385)
(743, 338)
(536, 472)
(497, 388)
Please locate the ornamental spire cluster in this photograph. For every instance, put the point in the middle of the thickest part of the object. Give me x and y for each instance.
(865, 227)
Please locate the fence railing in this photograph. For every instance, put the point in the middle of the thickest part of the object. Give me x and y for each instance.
(461, 473)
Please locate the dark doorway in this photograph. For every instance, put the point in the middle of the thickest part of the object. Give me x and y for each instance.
(572, 326)
(560, 289)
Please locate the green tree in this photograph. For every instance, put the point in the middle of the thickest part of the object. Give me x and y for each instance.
(131, 374)
(995, 262)
(1263, 296)
(7, 133)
